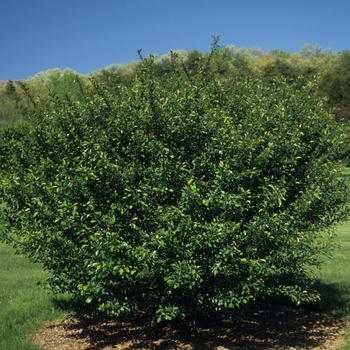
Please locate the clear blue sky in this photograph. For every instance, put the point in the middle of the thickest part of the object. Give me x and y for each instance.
(88, 35)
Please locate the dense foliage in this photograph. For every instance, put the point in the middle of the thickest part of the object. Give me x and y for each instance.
(332, 68)
(182, 192)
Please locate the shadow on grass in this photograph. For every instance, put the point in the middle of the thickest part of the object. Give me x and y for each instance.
(335, 299)
(70, 305)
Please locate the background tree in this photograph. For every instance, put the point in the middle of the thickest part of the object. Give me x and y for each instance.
(14, 103)
(115, 77)
(280, 68)
(10, 91)
(66, 84)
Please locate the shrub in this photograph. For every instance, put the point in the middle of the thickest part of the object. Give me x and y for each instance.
(182, 194)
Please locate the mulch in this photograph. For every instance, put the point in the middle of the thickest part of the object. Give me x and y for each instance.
(261, 327)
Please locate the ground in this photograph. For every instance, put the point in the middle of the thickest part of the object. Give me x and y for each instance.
(262, 327)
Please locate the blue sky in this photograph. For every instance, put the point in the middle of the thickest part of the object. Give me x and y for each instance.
(88, 35)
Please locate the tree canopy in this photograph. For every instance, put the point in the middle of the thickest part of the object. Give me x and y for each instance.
(332, 68)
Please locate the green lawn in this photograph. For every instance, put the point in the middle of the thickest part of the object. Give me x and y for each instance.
(23, 304)
(334, 279)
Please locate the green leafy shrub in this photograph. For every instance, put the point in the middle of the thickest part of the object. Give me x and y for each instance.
(182, 194)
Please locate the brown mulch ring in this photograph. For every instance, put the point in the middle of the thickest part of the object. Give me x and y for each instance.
(263, 327)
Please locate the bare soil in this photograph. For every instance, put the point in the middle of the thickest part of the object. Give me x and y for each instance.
(261, 327)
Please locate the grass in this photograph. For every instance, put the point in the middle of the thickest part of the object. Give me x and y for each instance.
(334, 277)
(23, 304)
